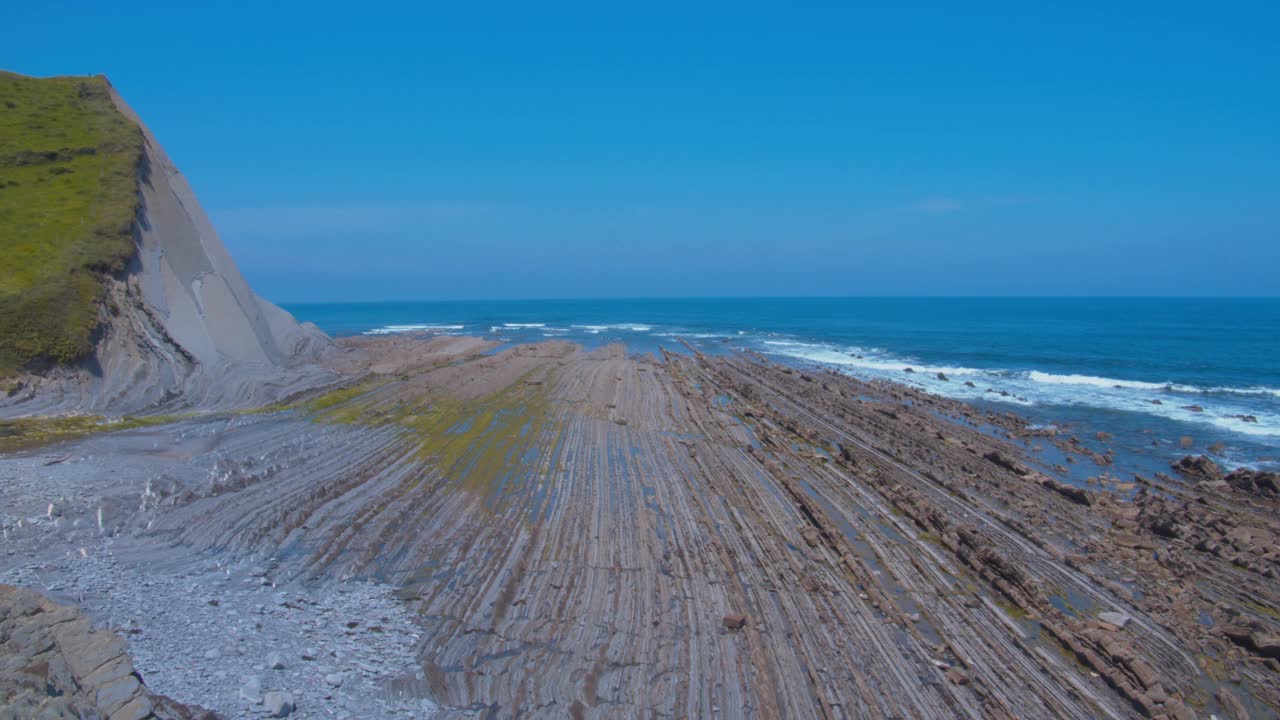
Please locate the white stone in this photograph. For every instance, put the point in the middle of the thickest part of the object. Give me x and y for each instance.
(333, 680)
(1118, 619)
(278, 704)
(275, 660)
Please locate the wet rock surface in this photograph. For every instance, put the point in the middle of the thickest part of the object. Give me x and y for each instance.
(1255, 482)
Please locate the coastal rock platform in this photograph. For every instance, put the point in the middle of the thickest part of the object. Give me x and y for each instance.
(547, 531)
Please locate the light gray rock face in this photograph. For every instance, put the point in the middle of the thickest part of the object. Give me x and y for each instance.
(54, 664)
(1118, 619)
(275, 661)
(278, 704)
(188, 331)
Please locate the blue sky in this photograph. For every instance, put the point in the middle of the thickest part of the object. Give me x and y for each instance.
(468, 150)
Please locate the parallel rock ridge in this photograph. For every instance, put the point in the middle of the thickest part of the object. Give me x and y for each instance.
(55, 665)
(180, 327)
(589, 534)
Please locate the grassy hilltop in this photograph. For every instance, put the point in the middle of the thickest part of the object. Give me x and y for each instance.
(68, 194)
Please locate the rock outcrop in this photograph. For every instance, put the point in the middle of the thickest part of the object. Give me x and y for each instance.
(181, 329)
(1198, 468)
(54, 664)
(1255, 482)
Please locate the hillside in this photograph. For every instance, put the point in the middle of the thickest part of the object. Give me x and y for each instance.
(68, 167)
(116, 294)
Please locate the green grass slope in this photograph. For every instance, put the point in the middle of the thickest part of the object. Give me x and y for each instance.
(68, 194)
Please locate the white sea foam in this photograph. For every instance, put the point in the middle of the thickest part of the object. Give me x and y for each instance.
(1162, 399)
(694, 335)
(632, 327)
(1093, 381)
(417, 327)
(524, 325)
(1113, 383)
(1257, 390)
(869, 359)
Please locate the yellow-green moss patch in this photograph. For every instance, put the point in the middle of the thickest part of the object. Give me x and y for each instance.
(31, 433)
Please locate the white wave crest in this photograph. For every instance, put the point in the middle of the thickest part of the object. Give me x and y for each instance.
(1184, 403)
(1094, 381)
(632, 327)
(417, 327)
(869, 359)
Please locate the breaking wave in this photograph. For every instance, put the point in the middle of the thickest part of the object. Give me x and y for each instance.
(630, 327)
(1221, 407)
(410, 328)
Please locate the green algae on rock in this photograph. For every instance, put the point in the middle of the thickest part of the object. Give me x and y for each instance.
(31, 433)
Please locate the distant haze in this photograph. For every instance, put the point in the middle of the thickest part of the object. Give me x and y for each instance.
(550, 150)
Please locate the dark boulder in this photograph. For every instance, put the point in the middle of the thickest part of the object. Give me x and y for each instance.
(1198, 468)
(1255, 482)
(1007, 462)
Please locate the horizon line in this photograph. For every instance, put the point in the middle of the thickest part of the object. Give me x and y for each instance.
(782, 297)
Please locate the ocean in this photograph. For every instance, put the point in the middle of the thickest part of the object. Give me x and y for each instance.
(1150, 371)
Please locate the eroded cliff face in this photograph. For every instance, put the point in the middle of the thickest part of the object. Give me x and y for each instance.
(181, 330)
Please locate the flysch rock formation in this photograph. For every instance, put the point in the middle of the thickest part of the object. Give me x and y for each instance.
(551, 532)
(547, 531)
(183, 330)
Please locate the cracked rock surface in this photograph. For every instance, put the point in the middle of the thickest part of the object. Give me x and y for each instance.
(55, 664)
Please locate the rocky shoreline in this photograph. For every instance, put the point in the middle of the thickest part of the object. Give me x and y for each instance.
(551, 531)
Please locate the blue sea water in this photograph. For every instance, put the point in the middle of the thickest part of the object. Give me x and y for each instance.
(1134, 367)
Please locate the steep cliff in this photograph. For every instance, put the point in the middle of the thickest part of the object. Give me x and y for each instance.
(178, 328)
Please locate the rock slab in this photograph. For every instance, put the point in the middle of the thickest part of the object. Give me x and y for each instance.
(54, 664)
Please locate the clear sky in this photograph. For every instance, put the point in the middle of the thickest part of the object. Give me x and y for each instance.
(362, 151)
